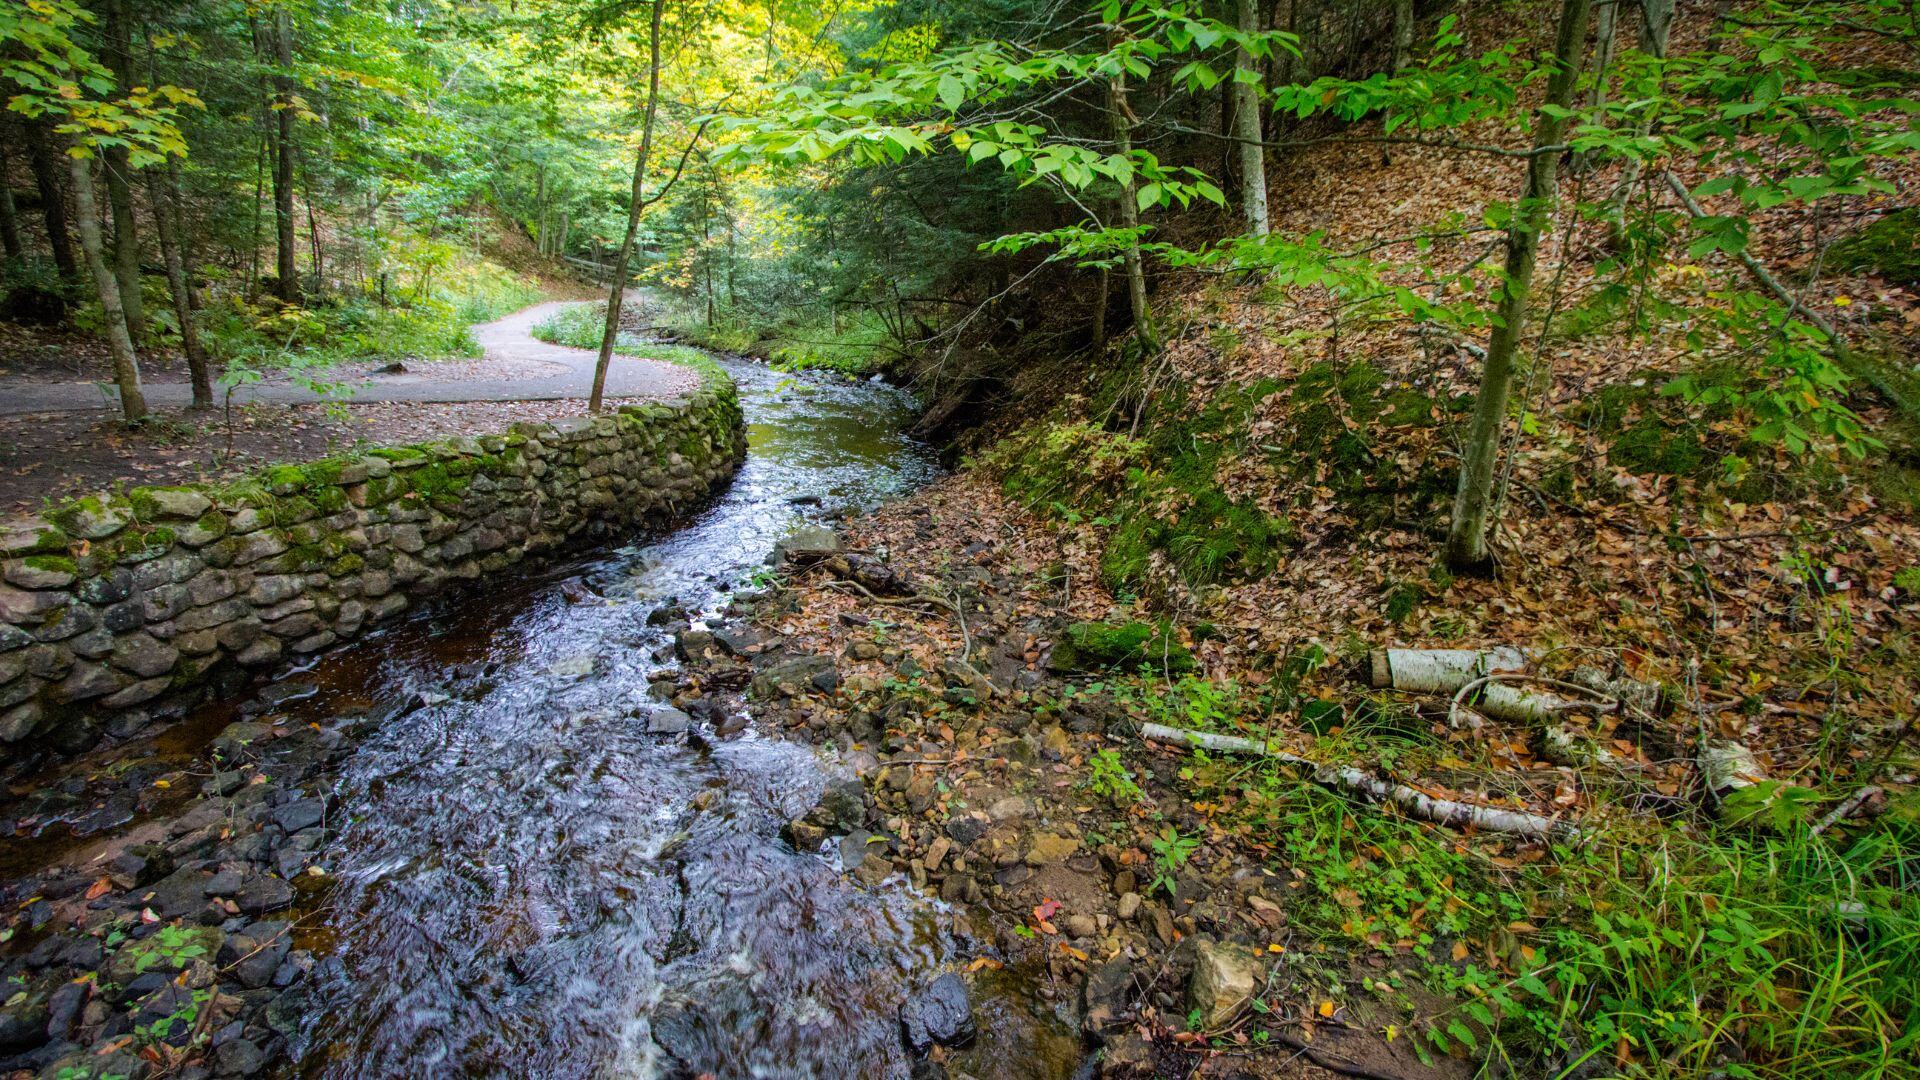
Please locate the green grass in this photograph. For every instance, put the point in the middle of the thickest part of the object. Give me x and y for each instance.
(1660, 949)
(860, 345)
(429, 319)
(582, 325)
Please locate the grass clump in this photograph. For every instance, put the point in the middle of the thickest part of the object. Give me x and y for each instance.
(1659, 950)
(1890, 247)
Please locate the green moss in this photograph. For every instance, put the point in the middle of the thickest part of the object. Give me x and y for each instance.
(1408, 408)
(49, 539)
(1093, 646)
(285, 479)
(1890, 247)
(324, 472)
(441, 479)
(1652, 446)
(53, 564)
(346, 564)
(68, 514)
(145, 506)
(1402, 599)
(1607, 411)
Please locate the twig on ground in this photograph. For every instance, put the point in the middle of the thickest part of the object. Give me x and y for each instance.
(1846, 809)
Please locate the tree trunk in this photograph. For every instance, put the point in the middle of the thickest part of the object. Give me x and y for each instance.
(1403, 33)
(167, 225)
(177, 205)
(540, 211)
(1100, 312)
(1467, 542)
(1229, 130)
(53, 200)
(9, 222)
(1123, 121)
(1716, 32)
(1606, 27)
(289, 286)
(1246, 120)
(119, 174)
(126, 365)
(706, 252)
(1656, 23)
(635, 205)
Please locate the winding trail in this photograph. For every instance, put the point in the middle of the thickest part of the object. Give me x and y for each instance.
(508, 340)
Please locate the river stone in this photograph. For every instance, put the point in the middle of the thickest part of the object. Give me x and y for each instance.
(1049, 849)
(24, 1017)
(1011, 808)
(25, 606)
(668, 722)
(808, 541)
(853, 849)
(240, 1057)
(263, 894)
(182, 892)
(300, 814)
(237, 736)
(1107, 997)
(940, 1014)
(99, 520)
(1223, 980)
(790, 676)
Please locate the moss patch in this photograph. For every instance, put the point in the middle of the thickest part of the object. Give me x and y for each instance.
(1096, 646)
(1890, 247)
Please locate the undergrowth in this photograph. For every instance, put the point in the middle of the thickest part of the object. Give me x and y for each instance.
(1685, 948)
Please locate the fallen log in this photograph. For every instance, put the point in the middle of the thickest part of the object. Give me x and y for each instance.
(1355, 781)
(1439, 671)
(1484, 678)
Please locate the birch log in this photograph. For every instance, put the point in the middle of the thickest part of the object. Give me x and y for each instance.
(1357, 782)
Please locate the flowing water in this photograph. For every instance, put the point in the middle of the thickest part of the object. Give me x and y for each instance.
(531, 885)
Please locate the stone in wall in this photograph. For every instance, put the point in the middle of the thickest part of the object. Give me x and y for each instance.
(123, 607)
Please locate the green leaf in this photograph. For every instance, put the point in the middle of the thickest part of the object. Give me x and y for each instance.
(952, 92)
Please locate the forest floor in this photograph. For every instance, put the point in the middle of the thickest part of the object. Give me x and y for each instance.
(1266, 503)
(60, 452)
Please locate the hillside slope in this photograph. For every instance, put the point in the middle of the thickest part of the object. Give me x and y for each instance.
(1728, 624)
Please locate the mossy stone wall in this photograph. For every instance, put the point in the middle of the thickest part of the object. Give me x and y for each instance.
(117, 609)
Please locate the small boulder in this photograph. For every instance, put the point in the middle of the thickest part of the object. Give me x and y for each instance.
(1223, 980)
(668, 722)
(805, 543)
(938, 1014)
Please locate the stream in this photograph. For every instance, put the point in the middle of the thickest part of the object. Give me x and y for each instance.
(528, 883)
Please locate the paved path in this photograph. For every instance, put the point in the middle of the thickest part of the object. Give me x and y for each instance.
(509, 339)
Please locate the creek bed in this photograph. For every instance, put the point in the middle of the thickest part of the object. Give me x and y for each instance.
(527, 869)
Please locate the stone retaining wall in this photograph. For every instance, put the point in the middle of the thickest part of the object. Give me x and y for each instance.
(118, 609)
